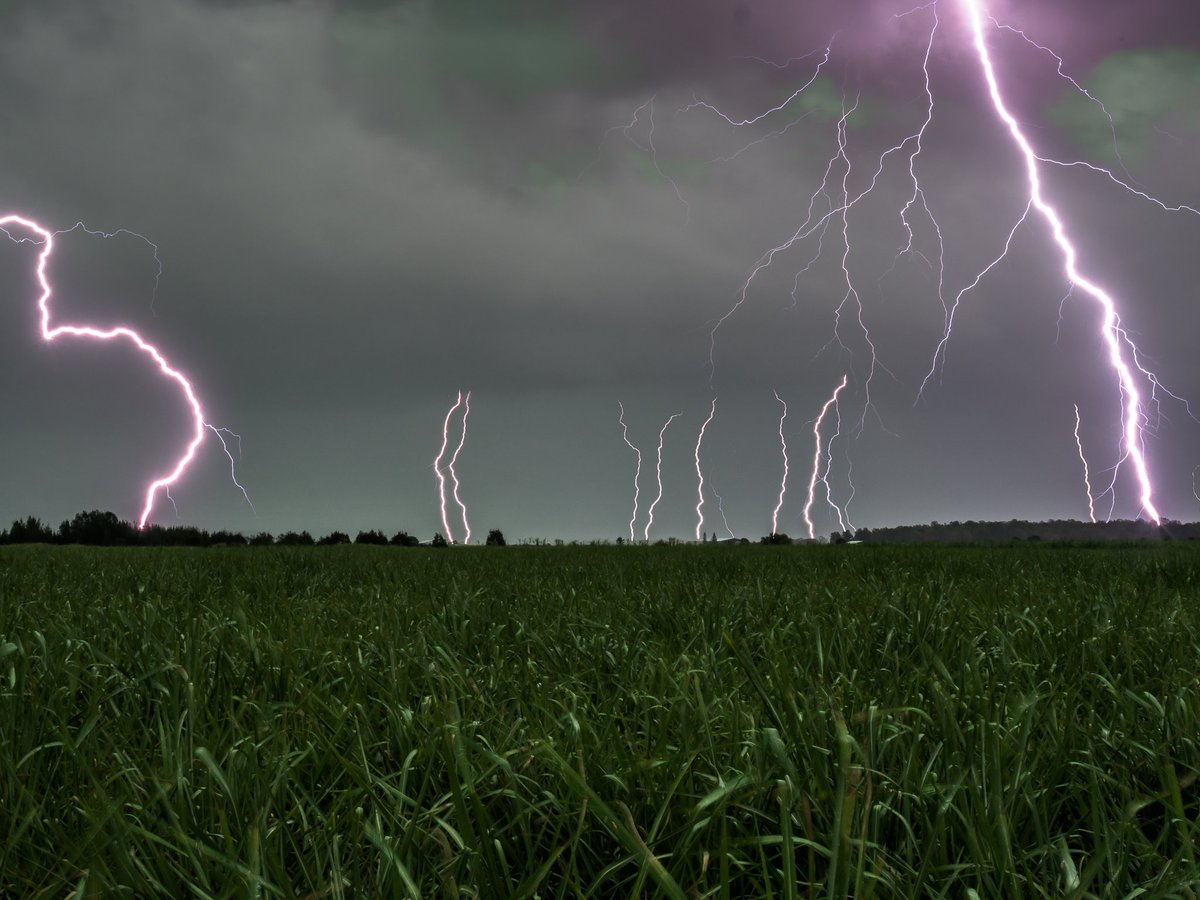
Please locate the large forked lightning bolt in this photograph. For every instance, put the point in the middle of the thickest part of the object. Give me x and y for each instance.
(783, 482)
(658, 472)
(637, 474)
(1111, 332)
(700, 472)
(812, 484)
(53, 332)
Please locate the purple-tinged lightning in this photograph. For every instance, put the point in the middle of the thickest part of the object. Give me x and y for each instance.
(783, 449)
(51, 332)
(454, 475)
(1111, 332)
(1087, 475)
(700, 472)
(658, 474)
(437, 467)
(812, 483)
(637, 472)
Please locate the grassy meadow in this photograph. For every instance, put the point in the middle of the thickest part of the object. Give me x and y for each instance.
(769, 722)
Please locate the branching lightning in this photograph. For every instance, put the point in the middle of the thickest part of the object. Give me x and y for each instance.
(831, 201)
(1112, 334)
(50, 333)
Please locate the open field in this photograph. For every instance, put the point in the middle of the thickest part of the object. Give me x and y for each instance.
(887, 721)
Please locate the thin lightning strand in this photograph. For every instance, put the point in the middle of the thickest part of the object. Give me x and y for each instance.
(637, 474)
(812, 484)
(725, 521)
(1112, 125)
(1111, 332)
(221, 434)
(94, 232)
(658, 473)
(1087, 475)
(786, 467)
(818, 224)
(700, 472)
(437, 468)
(454, 475)
(53, 332)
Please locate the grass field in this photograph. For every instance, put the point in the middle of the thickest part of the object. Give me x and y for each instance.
(600, 722)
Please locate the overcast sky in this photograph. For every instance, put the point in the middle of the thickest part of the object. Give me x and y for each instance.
(362, 208)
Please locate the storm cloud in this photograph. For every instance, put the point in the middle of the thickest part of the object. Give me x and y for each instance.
(362, 208)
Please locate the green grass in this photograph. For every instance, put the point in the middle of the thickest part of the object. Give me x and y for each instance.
(785, 722)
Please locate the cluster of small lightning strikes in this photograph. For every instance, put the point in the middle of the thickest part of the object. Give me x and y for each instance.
(20, 229)
(830, 207)
(463, 402)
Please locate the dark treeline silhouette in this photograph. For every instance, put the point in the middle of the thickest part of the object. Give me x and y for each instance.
(105, 529)
(1018, 530)
(97, 528)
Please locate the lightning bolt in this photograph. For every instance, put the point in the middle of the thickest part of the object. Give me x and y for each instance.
(1087, 475)
(843, 517)
(1112, 334)
(51, 332)
(658, 473)
(786, 466)
(700, 472)
(454, 475)
(437, 467)
(637, 474)
(812, 484)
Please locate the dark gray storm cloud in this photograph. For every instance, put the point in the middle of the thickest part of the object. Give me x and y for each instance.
(362, 208)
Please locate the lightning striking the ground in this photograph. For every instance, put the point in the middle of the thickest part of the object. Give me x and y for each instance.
(1113, 336)
(637, 473)
(462, 440)
(834, 199)
(658, 475)
(439, 474)
(816, 469)
(783, 449)
(38, 234)
(1087, 475)
(700, 472)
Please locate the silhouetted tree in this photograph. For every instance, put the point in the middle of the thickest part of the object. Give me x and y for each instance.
(371, 537)
(100, 529)
(495, 538)
(404, 539)
(775, 538)
(230, 538)
(438, 540)
(262, 539)
(30, 531)
(334, 538)
(294, 539)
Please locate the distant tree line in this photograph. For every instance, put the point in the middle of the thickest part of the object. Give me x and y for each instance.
(1019, 530)
(105, 529)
